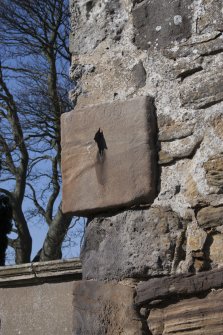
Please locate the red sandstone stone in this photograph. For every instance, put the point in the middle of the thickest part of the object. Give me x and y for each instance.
(126, 174)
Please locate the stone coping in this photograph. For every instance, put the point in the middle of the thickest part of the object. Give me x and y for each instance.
(40, 272)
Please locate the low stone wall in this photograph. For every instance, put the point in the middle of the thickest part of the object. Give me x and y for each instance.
(37, 298)
(184, 304)
(50, 298)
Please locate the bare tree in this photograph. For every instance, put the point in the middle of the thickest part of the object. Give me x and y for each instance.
(34, 87)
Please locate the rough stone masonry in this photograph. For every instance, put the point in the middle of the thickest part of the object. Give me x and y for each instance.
(172, 52)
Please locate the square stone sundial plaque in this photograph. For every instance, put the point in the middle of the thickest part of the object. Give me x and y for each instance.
(122, 175)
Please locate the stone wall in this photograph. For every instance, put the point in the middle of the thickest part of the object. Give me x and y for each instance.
(171, 52)
(37, 298)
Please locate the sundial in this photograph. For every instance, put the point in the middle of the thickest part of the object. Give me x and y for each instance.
(109, 156)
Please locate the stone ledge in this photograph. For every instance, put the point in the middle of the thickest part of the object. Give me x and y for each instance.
(40, 272)
(179, 285)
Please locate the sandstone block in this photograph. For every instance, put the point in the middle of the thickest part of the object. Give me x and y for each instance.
(104, 309)
(214, 172)
(180, 148)
(138, 243)
(126, 173)
(202, 89)
(175, 131)
(158, 26)
(216, 255)
(191, 190)
(209, 217)
(196, 258)
(193, 316)
(196, 237)
(165, 157)
(178, 286)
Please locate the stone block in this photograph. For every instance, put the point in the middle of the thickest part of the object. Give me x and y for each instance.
(159, 25)
(216, 255)
(202, 90)
(138, 244)
(214, 172)
(126, 173)
(177, 287)
(104, 309)
(196, 237)
(193, 316)
(210, 217)
(182, 148)
(175, 131)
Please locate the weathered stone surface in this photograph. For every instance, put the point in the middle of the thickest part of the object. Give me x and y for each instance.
(216, 255)
(191, 190)
(178, 286)
(218, 125)
(193, 316)
(165, 158)
(92, 21)
(211, 17)
(196, 237)
(181, 148)
(126, 174)
(175, 130)
(209, 44)
(209, 217)
(139, 73)
(196, 257)
(138, 243)
(214, 172)
(187, 66)
(103, 308)
(159, 25)
(114, 70)
(202, 90)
